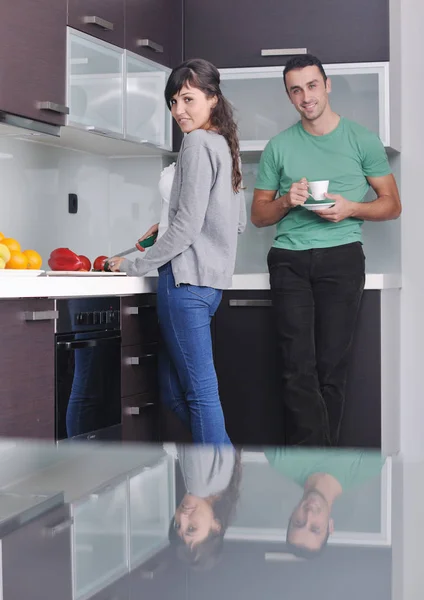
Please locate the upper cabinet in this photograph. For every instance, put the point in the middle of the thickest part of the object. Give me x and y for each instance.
(103, 19)
(266, 33)
(95, 84)
(359, 92)
(154, 29)
(33, 59)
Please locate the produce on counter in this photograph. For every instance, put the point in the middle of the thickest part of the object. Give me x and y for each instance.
(86, 263)
(63, 259)
(99, 263)
(12, 257)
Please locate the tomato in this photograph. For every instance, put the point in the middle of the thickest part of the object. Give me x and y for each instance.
(86, 264)
(99, 263)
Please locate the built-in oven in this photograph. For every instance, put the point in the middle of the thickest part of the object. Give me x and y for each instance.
(88, 369)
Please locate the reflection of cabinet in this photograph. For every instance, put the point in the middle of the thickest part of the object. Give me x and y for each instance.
(95, 84)
(103, 19)
(152, 505)
(100, 539)
(33, 59)
(360, 92)
(238, 31)
(36, 559)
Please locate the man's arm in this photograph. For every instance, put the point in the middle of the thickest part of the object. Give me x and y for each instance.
(385, 207)
(269, 210)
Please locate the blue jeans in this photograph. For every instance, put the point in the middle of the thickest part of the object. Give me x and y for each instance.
(187, 377)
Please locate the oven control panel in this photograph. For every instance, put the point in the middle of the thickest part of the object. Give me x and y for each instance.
(88, 314)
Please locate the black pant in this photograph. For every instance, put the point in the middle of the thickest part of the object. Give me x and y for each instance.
(316, 294)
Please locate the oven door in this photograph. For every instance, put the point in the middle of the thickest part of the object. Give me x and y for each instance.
(88, 384)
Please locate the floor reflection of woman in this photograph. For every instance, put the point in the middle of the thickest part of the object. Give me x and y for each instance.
(212, 477)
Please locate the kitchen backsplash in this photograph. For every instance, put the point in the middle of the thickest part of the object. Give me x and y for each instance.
(118, 200)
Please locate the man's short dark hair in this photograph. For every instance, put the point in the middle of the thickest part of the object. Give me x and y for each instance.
(302, 551)
(300, 62)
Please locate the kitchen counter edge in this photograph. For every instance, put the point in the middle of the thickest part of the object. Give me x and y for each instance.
(68, 287)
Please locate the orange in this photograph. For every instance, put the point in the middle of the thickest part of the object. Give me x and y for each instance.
(18, 260)
(1, 236)
(13, 245)
(34, 259)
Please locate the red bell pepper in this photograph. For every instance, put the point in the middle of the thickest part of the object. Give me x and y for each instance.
(86, 264)
(63, 259)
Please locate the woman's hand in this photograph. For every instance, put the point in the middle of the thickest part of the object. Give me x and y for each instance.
(153, 229)
(115, 262)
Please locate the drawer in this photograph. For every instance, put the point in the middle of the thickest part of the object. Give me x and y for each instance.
(140, 418)
(139, 370)
(103, 19)
(118, 591)
(139, 322)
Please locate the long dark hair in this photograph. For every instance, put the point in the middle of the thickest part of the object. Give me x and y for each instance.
(204, 76)
(206, 554)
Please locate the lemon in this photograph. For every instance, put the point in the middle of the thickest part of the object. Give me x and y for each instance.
(4, 253)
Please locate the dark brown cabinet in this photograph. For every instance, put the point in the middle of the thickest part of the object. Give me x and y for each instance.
(246, 360)
(102, 19)
(36, 559)
(139, 369)
(233, 34)
(27, 368)
(33, 59)
(154, 29)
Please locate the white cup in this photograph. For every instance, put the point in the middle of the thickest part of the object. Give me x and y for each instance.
(318, 189)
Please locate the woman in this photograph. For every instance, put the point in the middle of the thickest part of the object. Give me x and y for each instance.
(212, 478)
(196, 254)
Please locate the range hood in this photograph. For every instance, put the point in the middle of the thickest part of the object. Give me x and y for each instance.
(18, 126)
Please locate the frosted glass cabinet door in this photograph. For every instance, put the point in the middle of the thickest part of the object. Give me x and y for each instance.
(95, 84)
(100, 540)
(152, 506)
(262, 108)
(147, 116)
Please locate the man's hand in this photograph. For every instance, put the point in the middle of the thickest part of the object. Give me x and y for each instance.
(297, 194)
(342, 209)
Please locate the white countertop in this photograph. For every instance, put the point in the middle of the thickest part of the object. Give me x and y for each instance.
(63, 287)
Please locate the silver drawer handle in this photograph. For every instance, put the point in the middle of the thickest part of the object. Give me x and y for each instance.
(99, 22)
(135, 360)
(256, 303)
(41, 315)
(146, 43)
(283, 51)
(57, 529)
(131, 411)
(53, 107)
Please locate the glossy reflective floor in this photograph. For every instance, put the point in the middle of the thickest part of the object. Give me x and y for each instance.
(115, 522)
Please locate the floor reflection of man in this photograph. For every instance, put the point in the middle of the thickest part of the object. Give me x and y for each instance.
(324, 474)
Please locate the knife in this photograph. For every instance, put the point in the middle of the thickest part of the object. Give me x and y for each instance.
(149, 241)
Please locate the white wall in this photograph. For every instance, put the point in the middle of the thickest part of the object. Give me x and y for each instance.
(117, 198)
(412, 166)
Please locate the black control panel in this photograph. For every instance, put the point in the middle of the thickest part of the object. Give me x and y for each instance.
(88, 314)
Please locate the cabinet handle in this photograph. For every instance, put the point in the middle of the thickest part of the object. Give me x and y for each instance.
(57, 529)
(256, 303)
(102, 23)
(146, 43)
(41, 315)
(78, 344)
(135, 310)
(53, 107)
(135, 360)
(131, 411)
(283, 51)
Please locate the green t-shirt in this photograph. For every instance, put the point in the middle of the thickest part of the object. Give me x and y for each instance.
(351, 468)
(345, 157)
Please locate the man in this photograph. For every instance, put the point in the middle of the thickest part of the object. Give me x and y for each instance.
(316, 264)
(324, 475)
